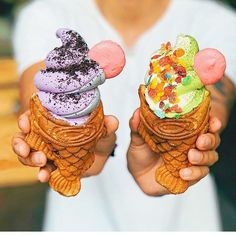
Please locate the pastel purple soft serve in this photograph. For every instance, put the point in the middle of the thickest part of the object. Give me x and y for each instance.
(68, 85)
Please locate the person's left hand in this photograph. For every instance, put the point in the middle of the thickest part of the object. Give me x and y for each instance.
(143, 162)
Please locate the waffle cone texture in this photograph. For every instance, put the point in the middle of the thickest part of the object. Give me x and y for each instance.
(69, 147)
(172, 139)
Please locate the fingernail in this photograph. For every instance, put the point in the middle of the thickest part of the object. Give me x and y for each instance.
(186, 172)
(217, 123)
(20, 122)
(195, 156)
(37, 159)
(19, 149)
(207, 142)
(16, 145)
(41, 177)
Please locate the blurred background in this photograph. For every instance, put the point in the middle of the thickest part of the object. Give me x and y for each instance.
(22, 198)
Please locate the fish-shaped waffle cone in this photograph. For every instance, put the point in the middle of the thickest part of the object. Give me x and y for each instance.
(71, 148)
(172, 139)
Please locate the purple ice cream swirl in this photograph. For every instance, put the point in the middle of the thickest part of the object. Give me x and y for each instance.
(68, 85)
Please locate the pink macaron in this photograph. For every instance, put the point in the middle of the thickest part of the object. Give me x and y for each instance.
(110, 56)
(210, 65)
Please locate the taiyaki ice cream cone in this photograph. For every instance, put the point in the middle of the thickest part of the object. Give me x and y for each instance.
(66, 113)
(175, 105)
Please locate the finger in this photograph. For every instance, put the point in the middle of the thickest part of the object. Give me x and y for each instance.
(19, 135)
(106, 144)
(193, 182)
(149, 185)
(24, 123)
(134, 121)
(35, 159)
(136, 139)
(20, 147)
(99, 163)
(214, 125)
(111, 123)
(194, 173)
(45, 172)
(208, 141)
(207, 158)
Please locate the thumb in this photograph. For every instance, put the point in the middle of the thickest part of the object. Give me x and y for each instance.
(24, 122)
(215, 124)
(111, 123)
(107, 143)
(136, 139)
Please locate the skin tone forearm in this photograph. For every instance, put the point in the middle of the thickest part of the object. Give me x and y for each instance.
(27, 87)
(222, 99)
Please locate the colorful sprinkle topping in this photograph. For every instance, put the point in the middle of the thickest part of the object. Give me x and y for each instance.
(168, 76)
(177, 116)
(165, 74)
(173, 87)
(186, 80)
(160, 114)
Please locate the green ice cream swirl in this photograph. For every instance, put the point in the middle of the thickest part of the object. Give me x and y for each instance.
(173, 88)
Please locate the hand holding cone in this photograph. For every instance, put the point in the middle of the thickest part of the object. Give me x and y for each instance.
(66, 115)
(172, 139)
(71, 148)
(175, 105)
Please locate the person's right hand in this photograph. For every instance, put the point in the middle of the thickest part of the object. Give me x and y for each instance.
(143, 162)
(28, 157)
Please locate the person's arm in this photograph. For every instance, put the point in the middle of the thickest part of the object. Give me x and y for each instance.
(223, 96)
(27, 87)
(143, 162)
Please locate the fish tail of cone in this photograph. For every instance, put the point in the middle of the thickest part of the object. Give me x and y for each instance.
(63, 185)
(173, 183)
(70, 168)
(168, 174)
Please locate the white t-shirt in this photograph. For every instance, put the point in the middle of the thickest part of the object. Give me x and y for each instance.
(112, 200)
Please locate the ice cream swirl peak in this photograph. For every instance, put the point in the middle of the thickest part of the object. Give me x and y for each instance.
(68, 85)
